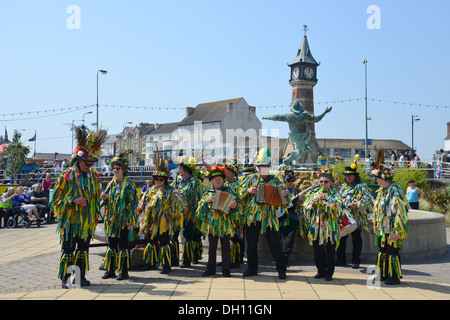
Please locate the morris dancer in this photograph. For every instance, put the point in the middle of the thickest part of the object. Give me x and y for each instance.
(293, 219)
(390, 221)
(323, 208)
(120, 200)
(358, 199)
(237, 241)
(161, 215)
(192, 190)
(217, 224)
(261, 217)
(76, 203)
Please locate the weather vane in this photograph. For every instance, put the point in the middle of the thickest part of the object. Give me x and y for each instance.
(305, 28)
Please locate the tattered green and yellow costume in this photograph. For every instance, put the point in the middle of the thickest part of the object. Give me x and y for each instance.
(358, 193)
(120, 212)
(162, 214)
(76, 221)
(390, 217)
(215, 222)
(192, 190)
(261, 212)
(323, 216)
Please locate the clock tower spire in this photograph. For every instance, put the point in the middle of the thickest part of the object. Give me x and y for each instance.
(304, 75)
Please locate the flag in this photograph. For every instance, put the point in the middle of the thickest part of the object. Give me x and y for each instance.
(33, 139)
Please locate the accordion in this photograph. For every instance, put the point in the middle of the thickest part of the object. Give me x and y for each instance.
(222, 201)
(270, 195)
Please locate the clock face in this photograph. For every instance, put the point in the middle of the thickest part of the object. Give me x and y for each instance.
(309, 73)
(295, 73)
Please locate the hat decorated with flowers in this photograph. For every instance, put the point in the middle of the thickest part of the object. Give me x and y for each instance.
(161, 167)
(233, 166)
(188, 162)
(248, 168)
(89, 144)
(382, 170)
(122, 160)
(216, 171)
(327, 172)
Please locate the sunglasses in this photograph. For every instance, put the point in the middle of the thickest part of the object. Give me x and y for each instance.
(117, 168)
(159, 179)
(324, 181)
(88, 164)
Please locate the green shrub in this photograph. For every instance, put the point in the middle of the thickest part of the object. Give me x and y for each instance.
(402, 175)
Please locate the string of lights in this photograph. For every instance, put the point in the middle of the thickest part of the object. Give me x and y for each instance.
(59, 111)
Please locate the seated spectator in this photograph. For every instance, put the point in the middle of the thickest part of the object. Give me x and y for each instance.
(25, 203)
(6, 203)
(40, 200)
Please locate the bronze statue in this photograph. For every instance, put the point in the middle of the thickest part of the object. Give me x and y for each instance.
(299, 132)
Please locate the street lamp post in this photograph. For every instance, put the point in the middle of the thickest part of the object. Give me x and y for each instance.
(413, 118)
(86, 114)
(103, 72)
(367, 132)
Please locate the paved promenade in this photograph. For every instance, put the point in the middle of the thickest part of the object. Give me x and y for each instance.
(29, 259)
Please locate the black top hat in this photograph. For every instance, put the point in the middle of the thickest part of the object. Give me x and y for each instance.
(351, 170)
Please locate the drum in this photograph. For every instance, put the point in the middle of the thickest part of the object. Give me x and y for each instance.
(348, 224)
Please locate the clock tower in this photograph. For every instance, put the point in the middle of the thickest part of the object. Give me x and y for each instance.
(303, 78)
(304, 75)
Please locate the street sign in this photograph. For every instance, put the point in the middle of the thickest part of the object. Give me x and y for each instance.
(369, 142)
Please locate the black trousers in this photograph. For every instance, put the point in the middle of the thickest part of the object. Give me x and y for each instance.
(119, 243)
(273, 240)
(324, 257)
(389, 253)
(356, 251)
(77, 245)
(5, 213)
(212, 253)
(288, 237)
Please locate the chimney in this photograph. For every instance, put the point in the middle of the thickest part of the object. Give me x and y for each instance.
(189, 111)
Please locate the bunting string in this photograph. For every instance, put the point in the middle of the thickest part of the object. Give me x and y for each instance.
(59, 111)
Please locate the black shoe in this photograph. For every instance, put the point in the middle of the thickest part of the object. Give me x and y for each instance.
(165, 270)
(355, 265)
(109, 274)
(207, 273)
(319, 276)
(234, 265)
(250, 273)
(84, 282)
(185, 265)
(123, 276)
(281, 274)
(392, 282)
(328, 278)
(226, 274)
(64, 284)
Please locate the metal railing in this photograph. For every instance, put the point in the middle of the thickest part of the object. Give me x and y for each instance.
(435, 169)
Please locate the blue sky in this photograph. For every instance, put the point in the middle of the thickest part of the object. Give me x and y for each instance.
(181, 53)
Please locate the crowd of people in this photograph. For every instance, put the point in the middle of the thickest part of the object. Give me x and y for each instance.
(223, 207)
(35, 202)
